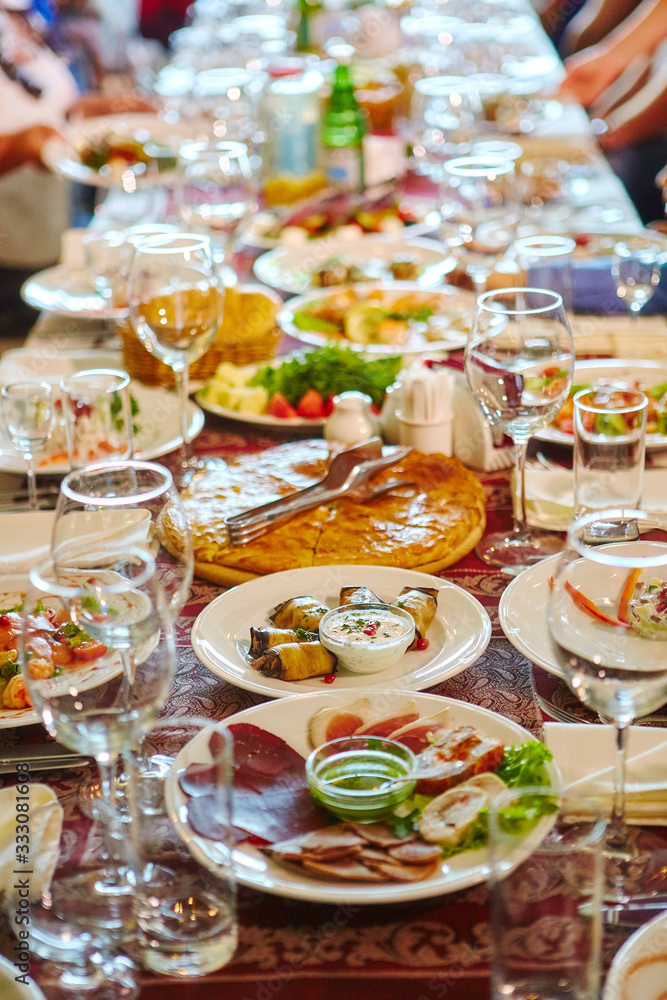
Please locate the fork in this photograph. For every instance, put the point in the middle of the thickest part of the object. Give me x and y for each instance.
(352, 481)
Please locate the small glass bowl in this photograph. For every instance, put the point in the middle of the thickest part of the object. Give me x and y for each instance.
(361, 778)
(367, 657)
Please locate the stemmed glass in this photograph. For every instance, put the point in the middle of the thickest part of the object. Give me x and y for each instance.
(175, 297)
(28, 415)
(519, 360)
(635, 268)
(97, 660)
(607, 619)
(480, 203)
(217, 191)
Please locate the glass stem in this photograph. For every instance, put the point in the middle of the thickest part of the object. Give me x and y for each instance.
(519, 500)
(32, 484)
(617, 832)
(181, 376)
(115, 855)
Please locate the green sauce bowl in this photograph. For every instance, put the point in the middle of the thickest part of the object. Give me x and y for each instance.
(361, 778)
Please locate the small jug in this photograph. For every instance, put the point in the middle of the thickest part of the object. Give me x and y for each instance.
(351, 420)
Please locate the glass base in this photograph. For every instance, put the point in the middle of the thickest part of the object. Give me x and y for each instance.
(514, 552)
(101, 978)
(192, 467)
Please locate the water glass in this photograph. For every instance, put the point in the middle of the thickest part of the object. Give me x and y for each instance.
(547, 263)
(546, 891)
(105, 255)
(635, 268)
(97, 411)
(543, 186)
(28, 414)
(609, 448)
(185, 892)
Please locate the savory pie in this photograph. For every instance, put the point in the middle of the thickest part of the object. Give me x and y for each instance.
(425, 526)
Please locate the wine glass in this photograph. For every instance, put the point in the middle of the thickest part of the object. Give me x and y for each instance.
(635, 268)
(28, 414)
(606, 618)
(445, 109)
(481, 207)
(97, 660)
(217, 191)
(175, 297)
(519, 360)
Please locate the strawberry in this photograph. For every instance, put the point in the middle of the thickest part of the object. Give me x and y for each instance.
(311, 405)
(280, 408)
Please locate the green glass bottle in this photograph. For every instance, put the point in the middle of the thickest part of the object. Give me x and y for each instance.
(304, 39)
(343, 127)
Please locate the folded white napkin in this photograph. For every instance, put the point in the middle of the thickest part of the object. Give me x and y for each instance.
(550, 496)
(25, 541)
(585, 757)
(46, 818)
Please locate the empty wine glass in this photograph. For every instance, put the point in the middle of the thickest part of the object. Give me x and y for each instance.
(519, 359)
(480, 204)
(217, 191)
(635, 268)
(27, 417)
(175, 297)
(607, 619)
(445, 109)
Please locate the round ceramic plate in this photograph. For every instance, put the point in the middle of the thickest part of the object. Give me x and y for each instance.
(639, 969)
(523, 614)
(12, 593)
(68, 291)
(63, 155)
(458, 635)
(256, 233)
(612, 371)
(289, 720)
(453, 320)
(157, 422)
(11, 990)
(291, 268)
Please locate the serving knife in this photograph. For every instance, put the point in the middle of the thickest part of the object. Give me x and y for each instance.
(40, 757)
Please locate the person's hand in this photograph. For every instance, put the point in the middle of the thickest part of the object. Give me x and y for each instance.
(29, 142)
(93, 105)
(588, 74)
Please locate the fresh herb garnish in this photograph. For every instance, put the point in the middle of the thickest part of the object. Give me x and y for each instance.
(525, 765)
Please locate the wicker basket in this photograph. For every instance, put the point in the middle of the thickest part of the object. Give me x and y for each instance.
(248, 334)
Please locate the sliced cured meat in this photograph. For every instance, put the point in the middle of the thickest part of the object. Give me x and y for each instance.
(335, 723)
(380, 834)
(415, 852)
(333, 842)
(388, 724)
(416, 736)
(447, 819)
(456, 757)
(346, 869)
(394, 871)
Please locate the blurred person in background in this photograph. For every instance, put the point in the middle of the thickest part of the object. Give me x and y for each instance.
(159, 18)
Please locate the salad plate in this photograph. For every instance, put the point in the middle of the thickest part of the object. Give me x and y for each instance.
(523, 614)
(639, 968)
(120, 150)
(381, 318)
(68, 292)
(643, 375)
(89, 675)
(458, 635)
(330, 261)
(289, 721)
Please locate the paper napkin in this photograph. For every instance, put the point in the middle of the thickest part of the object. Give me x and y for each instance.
(45, 828)
(584, 754)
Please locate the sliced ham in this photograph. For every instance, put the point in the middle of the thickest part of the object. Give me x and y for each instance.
(388, 724)
(416, 736)
(335, 723)
(347, 869)
(456, 757)
(380, 834)
(415, 852)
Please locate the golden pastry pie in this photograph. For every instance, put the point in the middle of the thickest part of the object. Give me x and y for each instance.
(425, 526)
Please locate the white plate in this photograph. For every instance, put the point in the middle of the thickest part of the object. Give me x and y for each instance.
(523, 614)
(639, 969)
(610, 371)
(254, 235)
(458, 635)
(12, 592)
(158, 418)
(10, 989)
(289, 720)
(68, 291)
(62, 156)
(261, 419)
(290, 268)
(462, 304)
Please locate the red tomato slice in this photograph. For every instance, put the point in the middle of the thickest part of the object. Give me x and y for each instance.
(311, 406)
(280, 408)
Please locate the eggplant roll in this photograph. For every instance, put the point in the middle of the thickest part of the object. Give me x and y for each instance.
(262, 639)
(357, 595)
(299, 612)
(421, 603)
(294, 661)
